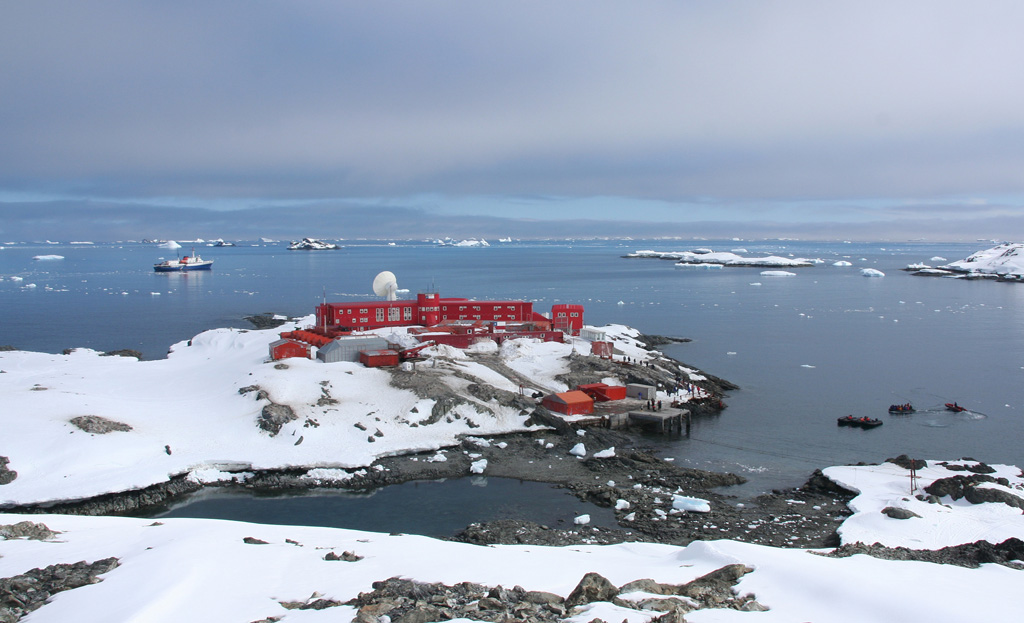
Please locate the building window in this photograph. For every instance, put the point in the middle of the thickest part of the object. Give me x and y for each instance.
(380, 314)
(512, 307)
(476, 308)
(575, 314)
(364, 311)
(408, 313)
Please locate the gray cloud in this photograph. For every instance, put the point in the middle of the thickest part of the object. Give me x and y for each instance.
(730, 103)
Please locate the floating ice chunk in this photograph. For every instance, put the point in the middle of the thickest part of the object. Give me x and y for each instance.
(48, 257)
(170, 244)
(621, 303)
(578, 450)
(842, 263)
(582, 520)
(806, 366)
(777, 273)
(478, 467)
(871, 272)
(731, 352)
(605, 454)
(756, 283)
(695, 505)
(29, 285)
(704, 266)
(938, 259)
(17, 278)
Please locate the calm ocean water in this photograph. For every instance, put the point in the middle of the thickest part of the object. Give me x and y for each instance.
(804, 350)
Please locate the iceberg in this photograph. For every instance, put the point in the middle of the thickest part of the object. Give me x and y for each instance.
(871, 272)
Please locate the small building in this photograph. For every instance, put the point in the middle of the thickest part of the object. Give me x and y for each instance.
(569, 403)
(347, 348)
(285, 348)
(604, 350)
(378, 358)
(593, 335)
(641, 391)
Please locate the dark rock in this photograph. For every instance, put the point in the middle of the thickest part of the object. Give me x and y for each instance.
(251, 540)
(24, 593)
(99, 425)
(345, 556)
(124, 352)
(980, 495)
(27, 530)
(7, 347)
(7, 476)
(275, 416)
(715, 589)
(969, 555)
(906, 462)
(899, 513)
(593, 587)
(954, 486)
(266, 320)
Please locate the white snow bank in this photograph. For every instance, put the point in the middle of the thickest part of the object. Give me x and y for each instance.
(208, 415)
(201, 570)
(938, 525)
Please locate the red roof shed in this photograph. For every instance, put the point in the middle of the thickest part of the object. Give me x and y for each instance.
(378, 358)
(569, 403)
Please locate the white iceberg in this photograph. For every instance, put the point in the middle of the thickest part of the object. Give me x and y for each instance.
(691, 505)
(777, 273)
(871, 272)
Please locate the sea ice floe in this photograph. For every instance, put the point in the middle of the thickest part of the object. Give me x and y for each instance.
(871, 272)
(777, 273)
(842, 263)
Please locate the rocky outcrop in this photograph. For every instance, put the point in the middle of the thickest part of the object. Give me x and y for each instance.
(906, 462)
(407, 601)
(27, 530)
(7, 476)
(969, 555)
(958, 487)
(274, 416)
(97, 425)
(24, 593)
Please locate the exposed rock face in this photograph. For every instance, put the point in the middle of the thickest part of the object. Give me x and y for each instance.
(906, 462)
(957, 486)
(98, 425)
(24, 593)
(407, 601)
(124, 352)
(27, 530)
(6, 475)
(979, 495)
(266, 320)
(593, 587)
(274, 416)
(969, 555)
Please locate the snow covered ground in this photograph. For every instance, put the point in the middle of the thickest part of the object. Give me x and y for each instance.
(196, 411)
(202, 570)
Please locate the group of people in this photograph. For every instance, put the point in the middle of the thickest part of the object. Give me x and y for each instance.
(902, 407)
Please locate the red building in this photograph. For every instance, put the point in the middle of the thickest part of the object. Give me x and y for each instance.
(284, 348)
(569, 403)
(430, 309)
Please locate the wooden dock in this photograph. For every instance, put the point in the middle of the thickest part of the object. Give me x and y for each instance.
(664, 420)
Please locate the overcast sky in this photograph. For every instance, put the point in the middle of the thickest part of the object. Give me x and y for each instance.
(252, 118)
